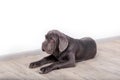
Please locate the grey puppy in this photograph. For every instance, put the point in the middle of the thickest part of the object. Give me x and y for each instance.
(64, 51)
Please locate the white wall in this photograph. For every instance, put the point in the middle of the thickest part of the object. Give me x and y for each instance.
(23, 23)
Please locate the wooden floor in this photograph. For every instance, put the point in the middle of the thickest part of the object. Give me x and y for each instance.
(105, 66)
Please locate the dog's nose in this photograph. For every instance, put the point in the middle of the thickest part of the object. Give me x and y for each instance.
(43, 49)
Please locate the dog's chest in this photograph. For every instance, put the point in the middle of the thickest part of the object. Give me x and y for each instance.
(62, 58)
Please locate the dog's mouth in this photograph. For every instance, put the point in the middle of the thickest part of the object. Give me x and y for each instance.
(48, 51)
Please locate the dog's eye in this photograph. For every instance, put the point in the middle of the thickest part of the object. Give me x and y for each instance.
(49, 38)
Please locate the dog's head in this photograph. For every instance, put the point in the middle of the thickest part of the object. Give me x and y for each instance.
(54, 40)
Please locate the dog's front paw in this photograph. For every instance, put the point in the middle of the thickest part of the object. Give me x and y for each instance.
(34, 65)
(45, 70)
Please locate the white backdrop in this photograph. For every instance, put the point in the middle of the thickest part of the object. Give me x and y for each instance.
(23, 23)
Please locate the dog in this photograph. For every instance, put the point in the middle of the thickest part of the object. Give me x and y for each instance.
(64, 51)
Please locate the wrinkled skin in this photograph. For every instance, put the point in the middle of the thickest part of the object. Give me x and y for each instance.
(64, 51)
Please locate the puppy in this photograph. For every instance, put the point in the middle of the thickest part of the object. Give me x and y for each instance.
(64, 51)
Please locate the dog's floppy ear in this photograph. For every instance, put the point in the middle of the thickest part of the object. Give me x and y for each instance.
(63, 42)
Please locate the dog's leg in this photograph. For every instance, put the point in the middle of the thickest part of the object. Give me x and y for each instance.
(58, 65)
(43, 61)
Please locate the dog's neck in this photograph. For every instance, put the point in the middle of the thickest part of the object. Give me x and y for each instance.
(56, 53)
